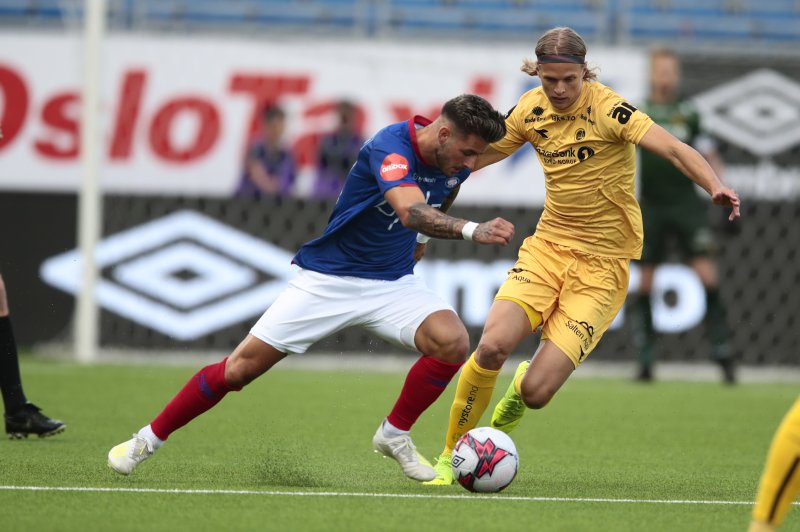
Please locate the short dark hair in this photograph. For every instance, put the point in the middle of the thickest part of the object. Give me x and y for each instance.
(272, 112)
(472, 114)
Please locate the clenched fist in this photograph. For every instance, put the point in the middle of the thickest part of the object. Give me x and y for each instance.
(497, 231)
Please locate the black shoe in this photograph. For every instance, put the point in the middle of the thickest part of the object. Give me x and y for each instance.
(721, 354)
(30, 420)
(645, 374)
(728, 370)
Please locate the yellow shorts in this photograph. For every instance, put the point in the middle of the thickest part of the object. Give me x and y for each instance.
(573, 295)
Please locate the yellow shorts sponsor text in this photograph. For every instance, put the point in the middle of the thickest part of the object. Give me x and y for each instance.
(572, 294)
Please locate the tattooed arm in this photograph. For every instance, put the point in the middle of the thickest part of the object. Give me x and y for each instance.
(409, 205)
(422, 240)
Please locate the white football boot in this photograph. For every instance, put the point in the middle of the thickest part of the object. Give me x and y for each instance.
(127, 455)
(402, 449)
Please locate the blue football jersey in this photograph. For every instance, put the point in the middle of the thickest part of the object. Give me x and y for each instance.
(364, 237)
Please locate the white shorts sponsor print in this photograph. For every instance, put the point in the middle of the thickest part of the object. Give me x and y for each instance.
(316, 305)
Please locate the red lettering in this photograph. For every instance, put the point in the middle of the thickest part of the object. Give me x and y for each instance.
(305, 147)
(15, 104)
(127, 114)
(60, 113)
(205, 135)
(266, 90)
(483, 87)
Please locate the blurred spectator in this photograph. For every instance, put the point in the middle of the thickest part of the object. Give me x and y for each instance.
(338, 152)
(269, 168)
(674, 213)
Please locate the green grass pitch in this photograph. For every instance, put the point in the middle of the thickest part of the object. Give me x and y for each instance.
(297, 447)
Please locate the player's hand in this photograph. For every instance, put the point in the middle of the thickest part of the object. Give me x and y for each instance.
(727, 197)
(419, 251)
(497, 231)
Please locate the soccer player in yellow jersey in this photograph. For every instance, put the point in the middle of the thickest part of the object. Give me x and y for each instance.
(781, 478)
(571, 276)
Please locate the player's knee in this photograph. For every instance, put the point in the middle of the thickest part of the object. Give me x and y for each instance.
(451, 347)
(458, 350)
(490, 354)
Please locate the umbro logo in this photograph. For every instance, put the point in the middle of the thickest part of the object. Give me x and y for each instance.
(184, 275)
(757, 112)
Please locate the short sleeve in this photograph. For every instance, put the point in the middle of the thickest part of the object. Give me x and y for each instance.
(515, 131)
(391, 168)
(619, 120)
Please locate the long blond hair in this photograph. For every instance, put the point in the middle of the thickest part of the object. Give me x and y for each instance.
(560, 40)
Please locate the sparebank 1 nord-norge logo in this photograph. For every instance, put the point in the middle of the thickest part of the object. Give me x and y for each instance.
(759, 112)
(184, 275)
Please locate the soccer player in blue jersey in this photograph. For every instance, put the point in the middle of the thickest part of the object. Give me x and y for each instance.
(360, 272)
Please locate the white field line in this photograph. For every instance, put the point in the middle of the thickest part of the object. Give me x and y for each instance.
(364, 495)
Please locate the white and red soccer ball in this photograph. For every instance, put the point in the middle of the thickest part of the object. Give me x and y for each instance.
(485, 460)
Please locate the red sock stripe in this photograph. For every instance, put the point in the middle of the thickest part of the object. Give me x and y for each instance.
(425, 382)
(204, 390)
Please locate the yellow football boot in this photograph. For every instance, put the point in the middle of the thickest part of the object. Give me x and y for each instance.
(509, 410)
(444, 471)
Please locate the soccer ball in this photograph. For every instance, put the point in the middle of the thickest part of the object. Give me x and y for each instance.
(485, 460)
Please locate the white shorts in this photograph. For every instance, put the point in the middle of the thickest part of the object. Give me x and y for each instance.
(316, 305)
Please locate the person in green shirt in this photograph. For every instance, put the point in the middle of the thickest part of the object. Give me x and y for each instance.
(673, 211)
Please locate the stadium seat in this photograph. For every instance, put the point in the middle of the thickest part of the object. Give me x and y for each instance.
(609, 21)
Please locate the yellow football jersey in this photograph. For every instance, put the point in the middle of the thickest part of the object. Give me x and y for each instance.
(588, 155)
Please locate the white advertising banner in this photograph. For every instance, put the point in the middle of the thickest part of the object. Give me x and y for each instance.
(178, 113)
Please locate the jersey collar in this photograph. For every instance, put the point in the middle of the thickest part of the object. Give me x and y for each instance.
(412, 133)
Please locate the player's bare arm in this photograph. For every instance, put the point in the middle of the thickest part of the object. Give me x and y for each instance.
(713, 158)
(693, 165)
(490, 156)
(422, 240)
(414, 213)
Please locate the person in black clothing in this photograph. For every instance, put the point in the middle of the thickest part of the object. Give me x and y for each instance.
(22, 417)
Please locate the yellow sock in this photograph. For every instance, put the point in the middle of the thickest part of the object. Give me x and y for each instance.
(518, 384)
(781, 477)
(473, 393)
